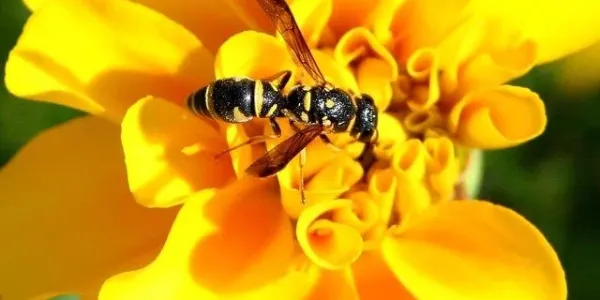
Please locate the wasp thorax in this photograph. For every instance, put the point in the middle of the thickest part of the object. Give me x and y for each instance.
(331, 107)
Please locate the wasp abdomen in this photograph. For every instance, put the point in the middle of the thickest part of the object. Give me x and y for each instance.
(230, 100)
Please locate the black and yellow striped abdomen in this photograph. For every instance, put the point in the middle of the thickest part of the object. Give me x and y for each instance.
(236, 100)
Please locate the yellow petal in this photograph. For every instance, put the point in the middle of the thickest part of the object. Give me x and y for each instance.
(67, 219)
(213, 22)
(497, 117)
(312, 17)
(258, 48)
(335, 72)
(348, 14)
(504, 54)
(474, 250)
(557, 27)
(236, 242)
(328, 244)
(424, 23)
(381, 19)
(170, 153)
(34, 4)
(374, 279)
(372, 81)
(102, 55)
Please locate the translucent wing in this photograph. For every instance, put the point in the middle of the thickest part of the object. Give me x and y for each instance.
(284, 21)
(278, 157)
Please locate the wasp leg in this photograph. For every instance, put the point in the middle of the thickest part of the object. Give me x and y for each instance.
(328, 142)
(256, 139)
(280, 79)
(302, 161)
(367, 157)
(293, 125)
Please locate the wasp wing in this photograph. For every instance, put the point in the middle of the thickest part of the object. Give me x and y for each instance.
(284, 21)
(278, 157)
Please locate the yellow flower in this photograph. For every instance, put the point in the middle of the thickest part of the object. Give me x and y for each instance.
(436, 70)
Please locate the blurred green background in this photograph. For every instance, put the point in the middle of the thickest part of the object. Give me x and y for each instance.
(553, 181)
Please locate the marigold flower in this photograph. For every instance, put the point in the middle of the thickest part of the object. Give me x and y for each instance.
(437, 71)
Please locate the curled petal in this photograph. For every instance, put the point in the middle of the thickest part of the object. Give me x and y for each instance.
(258, 48)
(377, 68)
(329, 244)
(442, 167)
(424, 66)
(409, 165)
(229, 16)
(362, 215)
(170, 153)
(360, 42)
(497, 117)
(67, 219)
(391, 135)
(383, 186)
(503, 56)
(329, 182)
(312, 17)
(372, 81)
(335, 72)
(420, 121)
(206, 255)
(82, 54)
(474, 250)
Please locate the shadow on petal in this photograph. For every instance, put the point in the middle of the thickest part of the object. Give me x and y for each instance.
(235, 242)
(253, 243)
(497, 117)
(375, 281)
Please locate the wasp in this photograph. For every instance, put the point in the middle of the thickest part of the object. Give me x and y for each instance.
(322, 108)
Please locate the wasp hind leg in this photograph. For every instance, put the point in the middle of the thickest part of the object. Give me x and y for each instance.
(280, 79)
(256, 139)
(301, 163)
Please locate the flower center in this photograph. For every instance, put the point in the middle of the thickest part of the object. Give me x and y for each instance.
(350, 210)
